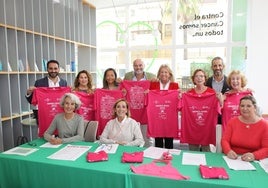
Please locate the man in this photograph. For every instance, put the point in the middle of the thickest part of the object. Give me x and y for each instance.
(139, 74)
(218, 80)
(52, 80)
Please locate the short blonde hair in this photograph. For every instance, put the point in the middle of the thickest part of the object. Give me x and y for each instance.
(237, 72)
(73, 97)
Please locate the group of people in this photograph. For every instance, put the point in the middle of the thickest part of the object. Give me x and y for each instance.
(245, 132)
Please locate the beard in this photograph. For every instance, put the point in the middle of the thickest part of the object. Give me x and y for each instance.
(217, 72)
(53, 74)
(139, 72)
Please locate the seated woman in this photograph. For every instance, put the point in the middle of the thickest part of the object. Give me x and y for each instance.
(122, 129)
(246, 134)
(70, 126)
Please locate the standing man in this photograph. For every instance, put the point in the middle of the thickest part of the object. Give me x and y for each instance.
(139, 74)
(218, 80)
(51, 80)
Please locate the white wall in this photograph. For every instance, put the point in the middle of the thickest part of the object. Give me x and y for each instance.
(257, 68)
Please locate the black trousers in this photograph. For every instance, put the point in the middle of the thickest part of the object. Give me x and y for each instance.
(159, 142)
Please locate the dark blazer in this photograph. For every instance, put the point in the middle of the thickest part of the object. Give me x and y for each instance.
(225, 85)
(43, 82)
(156, 86)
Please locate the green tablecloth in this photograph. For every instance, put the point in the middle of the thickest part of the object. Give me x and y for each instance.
(36, 170)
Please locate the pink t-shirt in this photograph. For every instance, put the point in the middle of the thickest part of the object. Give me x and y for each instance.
(103, 104)
(199, 118)
(152, 169)
(135, 97)
(86, 109)
(162, 112)
(230, 107)
(48, 99)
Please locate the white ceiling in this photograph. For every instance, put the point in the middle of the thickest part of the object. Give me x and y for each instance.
(101, 4)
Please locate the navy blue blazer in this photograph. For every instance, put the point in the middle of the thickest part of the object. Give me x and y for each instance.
(43, 82)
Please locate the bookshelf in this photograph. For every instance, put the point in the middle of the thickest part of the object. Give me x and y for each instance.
(33, 31)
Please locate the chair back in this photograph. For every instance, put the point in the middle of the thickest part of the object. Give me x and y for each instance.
(90, 133)
(218, 138)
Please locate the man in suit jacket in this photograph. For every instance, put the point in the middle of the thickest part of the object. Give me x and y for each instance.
(218, 80)
(139, 74)
(52, 80)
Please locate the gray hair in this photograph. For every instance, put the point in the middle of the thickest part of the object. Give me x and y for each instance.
(73, 97)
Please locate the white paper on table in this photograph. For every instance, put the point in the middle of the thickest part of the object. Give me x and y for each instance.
(238, 164)
(49, 145)
(108, 148)
(70, 152)
(156, 153)
(20, 151)
(264, 164)
(193, 159)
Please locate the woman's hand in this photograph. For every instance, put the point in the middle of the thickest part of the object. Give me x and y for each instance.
(232, 155)
(248, 157)
(55, 141)
(121, 142)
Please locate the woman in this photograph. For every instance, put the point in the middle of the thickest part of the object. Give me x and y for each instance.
(110, 79)
(122, 129)
(83, 82)
(166, 82)
(246, 134)
(199, 79)
(230, 100)
(70, 126)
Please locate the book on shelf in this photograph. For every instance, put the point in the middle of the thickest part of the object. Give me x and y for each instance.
(44, 65)
(20, 66)
(28, 69)
(9, 67)
(1, 66)
(36, 69)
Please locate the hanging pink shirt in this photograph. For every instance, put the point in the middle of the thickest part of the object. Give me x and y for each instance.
(103, 104)
(230, 107)
(199, 114)
(86, 109)
(48, 100)
(162, 112)
(135, 97)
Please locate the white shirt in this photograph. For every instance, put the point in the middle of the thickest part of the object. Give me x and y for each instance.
(52, 84)
(126, 131)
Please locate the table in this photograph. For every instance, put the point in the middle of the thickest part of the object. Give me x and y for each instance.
(36, 170)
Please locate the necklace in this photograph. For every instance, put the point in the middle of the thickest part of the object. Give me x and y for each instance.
(248, 123)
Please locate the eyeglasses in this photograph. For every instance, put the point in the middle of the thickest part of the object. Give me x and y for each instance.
(199, 76)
